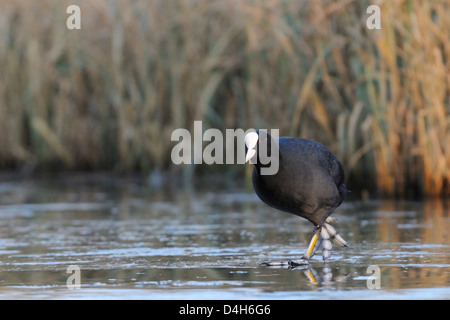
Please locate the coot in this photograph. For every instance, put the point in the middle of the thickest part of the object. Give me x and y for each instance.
(309, 183)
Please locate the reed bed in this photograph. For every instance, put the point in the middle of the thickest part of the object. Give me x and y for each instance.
(108, 96)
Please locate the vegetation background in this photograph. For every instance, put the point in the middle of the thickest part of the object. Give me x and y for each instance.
(107, 97)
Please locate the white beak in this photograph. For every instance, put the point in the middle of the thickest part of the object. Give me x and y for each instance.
(250, 154)
(251, 139)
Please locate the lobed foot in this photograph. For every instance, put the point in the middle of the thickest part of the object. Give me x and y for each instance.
(303, 261)
(298, 264)
(333, 235)
(322, 237)
(275, 264)
(328, 233)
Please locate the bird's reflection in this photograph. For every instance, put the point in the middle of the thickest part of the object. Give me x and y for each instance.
(314, 278)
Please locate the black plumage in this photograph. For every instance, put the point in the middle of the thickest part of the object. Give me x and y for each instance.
(309, 183)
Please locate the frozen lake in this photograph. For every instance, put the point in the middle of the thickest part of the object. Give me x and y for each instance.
(127, 241)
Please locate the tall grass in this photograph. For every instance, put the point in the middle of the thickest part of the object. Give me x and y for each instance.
(109, 95)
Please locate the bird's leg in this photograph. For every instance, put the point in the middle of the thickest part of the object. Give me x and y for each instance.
(313, 244)
(322, 237)
(312, 248)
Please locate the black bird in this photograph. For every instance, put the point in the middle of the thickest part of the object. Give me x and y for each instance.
(309, 183)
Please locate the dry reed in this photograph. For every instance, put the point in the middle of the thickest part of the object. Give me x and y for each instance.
(109, 95)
